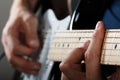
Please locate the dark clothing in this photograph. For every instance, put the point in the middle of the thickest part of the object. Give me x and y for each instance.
(111, 17)
(91, 11)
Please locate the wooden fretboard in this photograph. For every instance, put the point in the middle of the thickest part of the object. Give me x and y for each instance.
(65, 41)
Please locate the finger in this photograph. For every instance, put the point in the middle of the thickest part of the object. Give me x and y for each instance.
(14, 45)
(77, 55)
(10, 37)
(63, 77)
(115, 75)
(92, 55)
(23, 50)
(73, 75)
(74, 58)
(30, 30)
(72, 66)
(18, 61)
(27, 71)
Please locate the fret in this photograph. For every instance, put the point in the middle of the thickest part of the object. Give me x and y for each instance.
(78, 39)
(107, 52)
(79, 44)
(113, 59)
(111, 46)
(72, 34)
(65, 41)
(110, 34)
(109, 40)
(118, 34)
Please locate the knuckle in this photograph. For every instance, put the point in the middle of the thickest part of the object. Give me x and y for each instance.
(9, 27)
(35, 45)
(64, 66)
(5, 31)
(88, 55)
(31, 19)
(95, 35)
(4, 40)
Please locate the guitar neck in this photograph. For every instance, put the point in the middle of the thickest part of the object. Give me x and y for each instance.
(65, 41)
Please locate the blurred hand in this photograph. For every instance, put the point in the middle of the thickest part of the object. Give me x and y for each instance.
(20, 39)
(91, 53)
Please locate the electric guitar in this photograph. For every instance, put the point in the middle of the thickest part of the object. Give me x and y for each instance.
(48, 25)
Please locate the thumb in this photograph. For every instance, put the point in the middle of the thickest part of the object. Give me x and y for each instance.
(31, 35)
(32, 40)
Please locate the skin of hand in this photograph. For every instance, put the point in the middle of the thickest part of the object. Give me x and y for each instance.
(20, 39)
(71, 67)
(90, 52)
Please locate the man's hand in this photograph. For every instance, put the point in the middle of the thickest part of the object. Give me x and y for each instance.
(91, 53)
(20, 38)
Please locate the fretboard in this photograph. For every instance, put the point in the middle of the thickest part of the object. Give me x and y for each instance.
(65, 41)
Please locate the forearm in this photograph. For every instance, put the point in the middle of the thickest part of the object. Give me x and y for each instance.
(26, 4)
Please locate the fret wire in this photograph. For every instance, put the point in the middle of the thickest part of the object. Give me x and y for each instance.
(111, 52)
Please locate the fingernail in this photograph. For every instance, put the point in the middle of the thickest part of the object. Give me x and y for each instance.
(98, 25)
(34, 42)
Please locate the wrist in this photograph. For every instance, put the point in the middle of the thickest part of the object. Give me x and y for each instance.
(29, 5)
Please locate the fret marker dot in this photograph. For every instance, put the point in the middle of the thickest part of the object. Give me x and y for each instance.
(62, 45)
(79, 38)
(58, 45)
(68, 45)
(115, 46)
